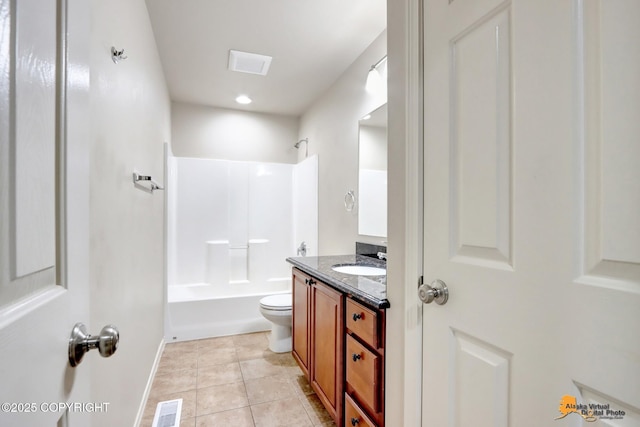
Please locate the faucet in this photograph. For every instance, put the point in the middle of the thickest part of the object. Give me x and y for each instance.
(302, 249)
(382, 255)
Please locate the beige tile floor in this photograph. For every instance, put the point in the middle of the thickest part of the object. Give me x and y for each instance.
(234, 381)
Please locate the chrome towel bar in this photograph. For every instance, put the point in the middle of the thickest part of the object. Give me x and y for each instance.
(139, 179)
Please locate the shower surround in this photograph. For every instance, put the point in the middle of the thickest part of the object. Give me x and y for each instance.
(230, 227)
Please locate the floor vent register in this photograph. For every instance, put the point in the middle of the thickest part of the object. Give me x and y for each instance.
(168, 413)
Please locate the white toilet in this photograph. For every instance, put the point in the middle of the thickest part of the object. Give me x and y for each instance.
(277, 309)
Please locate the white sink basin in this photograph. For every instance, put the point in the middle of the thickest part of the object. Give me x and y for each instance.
(360, 270)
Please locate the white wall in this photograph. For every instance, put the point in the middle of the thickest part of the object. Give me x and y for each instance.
(220, 133)
(331, 124)
(130, 112)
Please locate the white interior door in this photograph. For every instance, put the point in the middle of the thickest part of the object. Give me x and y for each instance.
(44, 136)
(532, 212)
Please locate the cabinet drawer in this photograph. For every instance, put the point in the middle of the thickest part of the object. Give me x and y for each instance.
(363, 373)
(363, 322)
(354, 416)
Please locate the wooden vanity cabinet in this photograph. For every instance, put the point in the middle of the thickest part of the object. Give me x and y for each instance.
(318, 339)
(339, 345)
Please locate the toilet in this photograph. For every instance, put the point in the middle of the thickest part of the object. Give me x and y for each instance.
(277, 309)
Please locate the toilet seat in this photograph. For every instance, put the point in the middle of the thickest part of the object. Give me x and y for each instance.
(280, 302)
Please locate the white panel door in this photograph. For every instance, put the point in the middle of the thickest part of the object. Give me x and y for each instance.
(44, 203)
(532, 212)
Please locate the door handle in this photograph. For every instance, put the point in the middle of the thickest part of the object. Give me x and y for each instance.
(437, 291)
(81, 342)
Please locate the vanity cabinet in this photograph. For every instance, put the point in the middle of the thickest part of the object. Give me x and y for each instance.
(318, 339)
(338, 343)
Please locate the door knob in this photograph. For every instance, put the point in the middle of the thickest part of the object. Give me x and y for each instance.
(81, 342)
(437, 291)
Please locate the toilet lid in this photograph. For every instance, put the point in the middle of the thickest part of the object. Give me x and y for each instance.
(277, 302)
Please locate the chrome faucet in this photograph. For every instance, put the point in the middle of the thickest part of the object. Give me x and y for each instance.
(382, 255)
(302, 249)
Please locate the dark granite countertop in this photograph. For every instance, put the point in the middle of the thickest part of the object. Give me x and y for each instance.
(370, 290)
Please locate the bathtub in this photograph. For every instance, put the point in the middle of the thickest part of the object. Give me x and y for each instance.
(203, 310)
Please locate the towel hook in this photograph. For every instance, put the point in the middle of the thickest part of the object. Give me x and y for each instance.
(117, 55)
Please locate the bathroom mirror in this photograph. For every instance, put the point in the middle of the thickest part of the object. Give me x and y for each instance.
(372, 180)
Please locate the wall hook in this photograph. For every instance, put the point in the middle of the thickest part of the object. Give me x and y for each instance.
(117, 55)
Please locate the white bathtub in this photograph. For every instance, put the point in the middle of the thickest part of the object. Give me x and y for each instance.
(202, 310)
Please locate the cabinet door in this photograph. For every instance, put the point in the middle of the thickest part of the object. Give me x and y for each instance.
(327, 370)
(301, 302)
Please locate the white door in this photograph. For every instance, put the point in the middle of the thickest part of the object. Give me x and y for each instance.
(44, 201)
(532, 212)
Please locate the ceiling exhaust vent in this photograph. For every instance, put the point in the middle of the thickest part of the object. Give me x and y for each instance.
(251, 63)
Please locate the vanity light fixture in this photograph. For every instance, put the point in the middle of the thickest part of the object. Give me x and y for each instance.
(377, 79)
(243, 99)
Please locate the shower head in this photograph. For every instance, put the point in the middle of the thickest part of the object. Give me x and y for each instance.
(297, 144)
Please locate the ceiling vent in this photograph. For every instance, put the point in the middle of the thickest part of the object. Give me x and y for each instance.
(251, 63)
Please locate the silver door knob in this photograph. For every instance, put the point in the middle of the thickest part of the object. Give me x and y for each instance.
(437, 291)
(81, 342)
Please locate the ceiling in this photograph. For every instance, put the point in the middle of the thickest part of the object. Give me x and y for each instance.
(312, 43)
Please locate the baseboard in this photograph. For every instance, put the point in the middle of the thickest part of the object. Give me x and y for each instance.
(147, 389)
(218, 329)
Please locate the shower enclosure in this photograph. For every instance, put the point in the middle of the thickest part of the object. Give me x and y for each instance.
(230, 226)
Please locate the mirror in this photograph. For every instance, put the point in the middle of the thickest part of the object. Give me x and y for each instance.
(372, 180)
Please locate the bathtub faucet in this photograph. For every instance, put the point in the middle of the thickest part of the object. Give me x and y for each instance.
(302, 249)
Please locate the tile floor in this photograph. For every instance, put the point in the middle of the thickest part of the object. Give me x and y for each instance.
(234, 381)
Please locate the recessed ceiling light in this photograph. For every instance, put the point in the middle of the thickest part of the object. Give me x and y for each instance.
(243, 99)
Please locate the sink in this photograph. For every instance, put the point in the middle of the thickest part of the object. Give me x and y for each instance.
(360, 270)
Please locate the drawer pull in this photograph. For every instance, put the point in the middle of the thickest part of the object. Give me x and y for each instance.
(355, 357)
(355, 421)
(357, 316)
